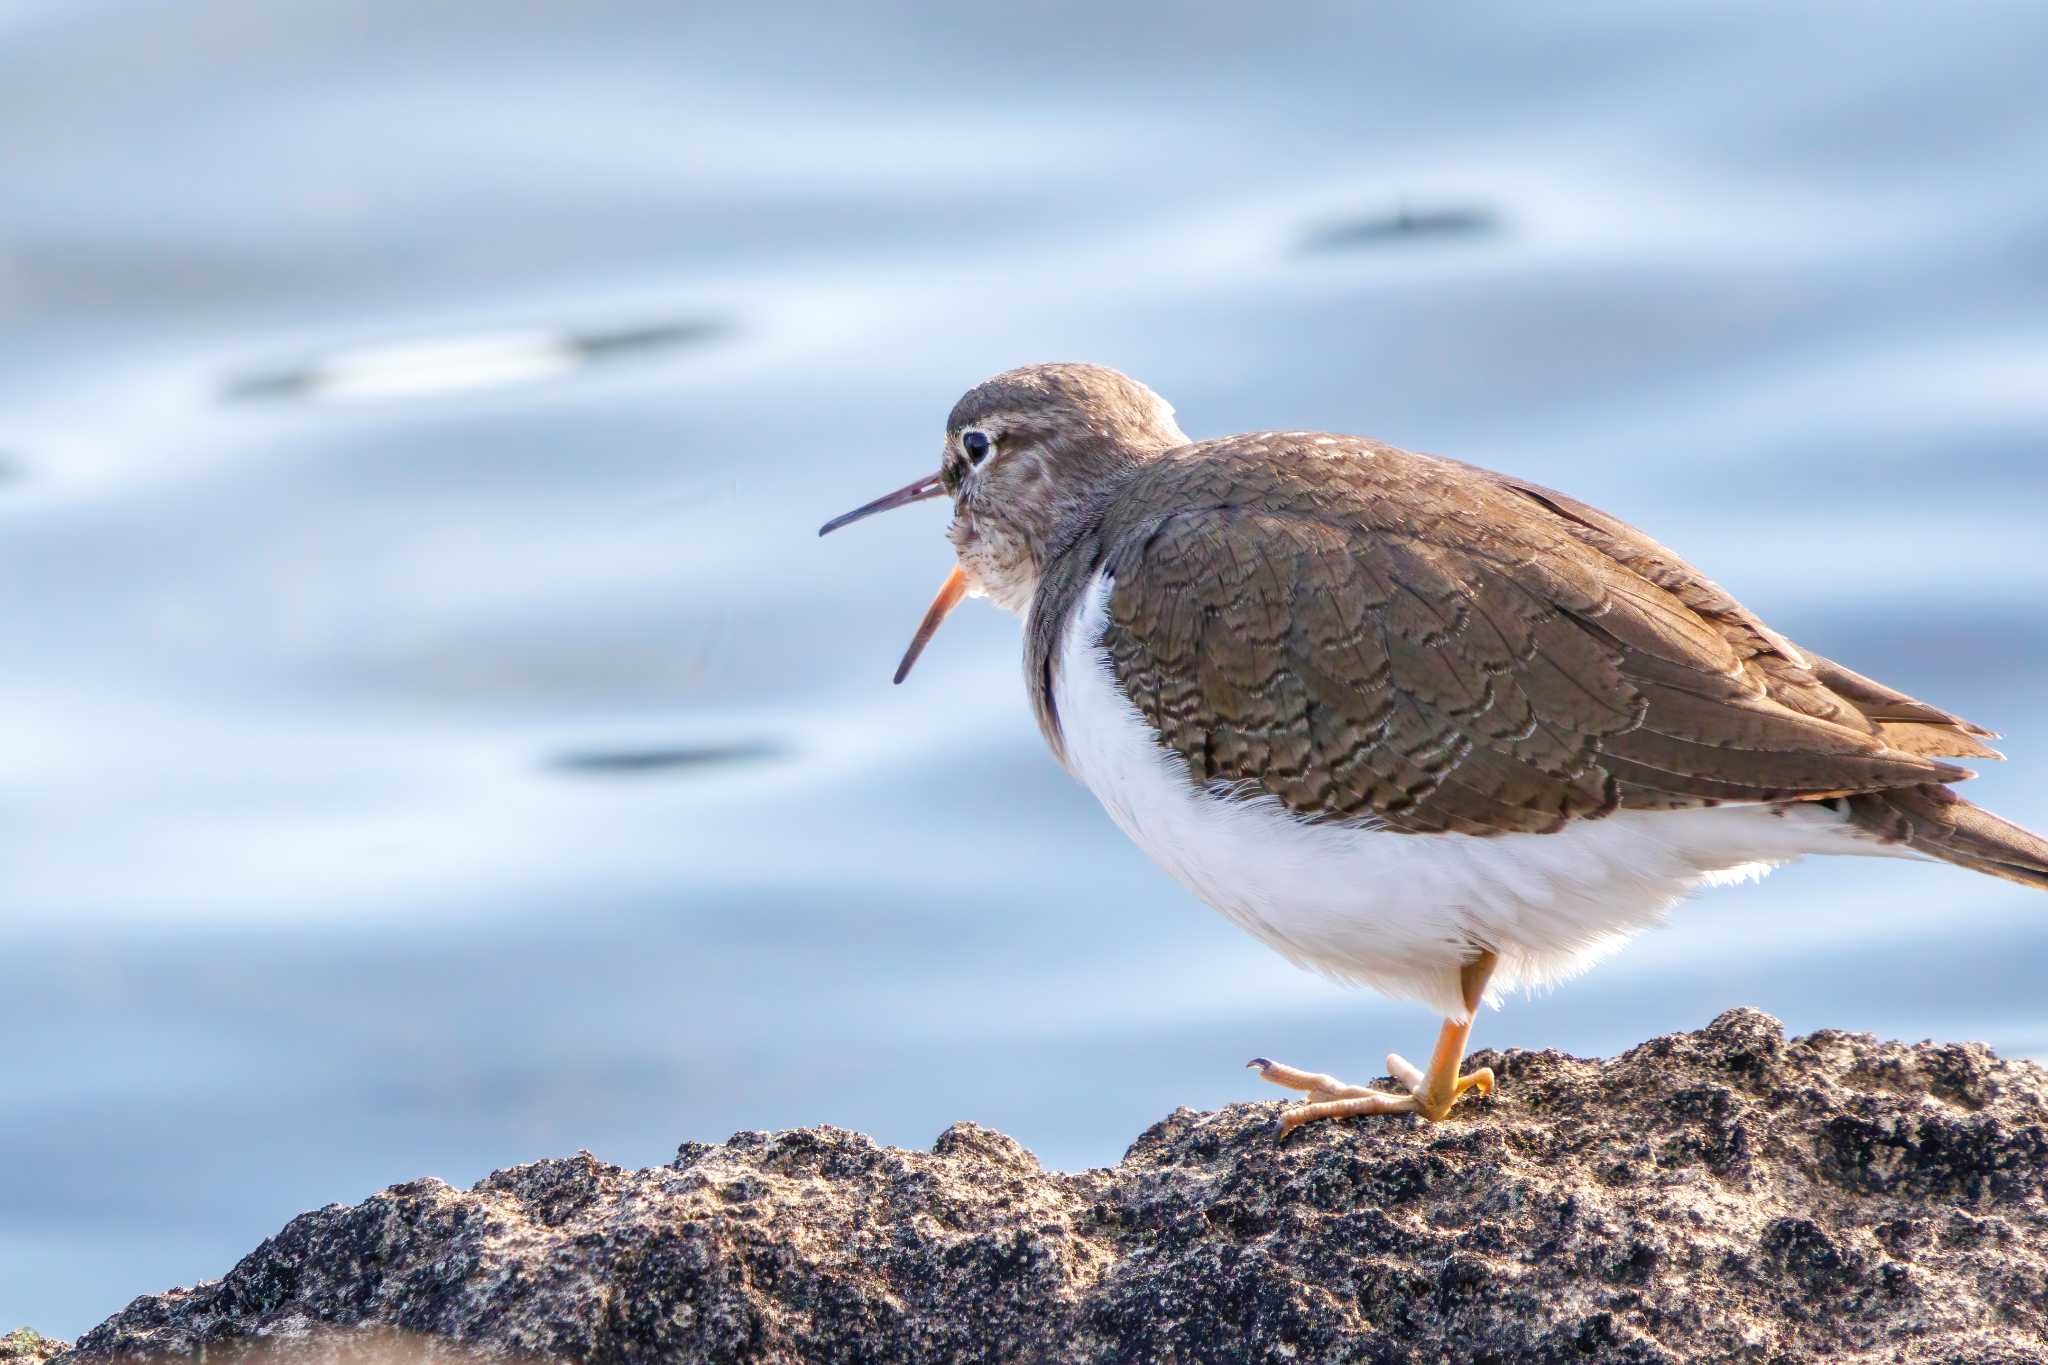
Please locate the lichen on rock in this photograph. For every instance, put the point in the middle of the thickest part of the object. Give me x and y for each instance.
(24, 1346)
(1726, 1194)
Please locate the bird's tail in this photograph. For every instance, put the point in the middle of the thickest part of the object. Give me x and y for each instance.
(1933, 820)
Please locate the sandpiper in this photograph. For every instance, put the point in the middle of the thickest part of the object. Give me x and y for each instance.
(1411, 723)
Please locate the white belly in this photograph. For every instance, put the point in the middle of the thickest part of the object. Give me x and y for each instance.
(1401, 912)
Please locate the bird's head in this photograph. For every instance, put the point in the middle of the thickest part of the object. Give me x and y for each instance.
(1023, 452)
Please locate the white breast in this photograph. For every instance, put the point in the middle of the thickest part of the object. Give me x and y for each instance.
(1401, 912)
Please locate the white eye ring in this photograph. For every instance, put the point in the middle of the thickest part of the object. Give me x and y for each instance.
(977, 445)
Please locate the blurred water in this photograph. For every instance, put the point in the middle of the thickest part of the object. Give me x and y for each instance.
(435, 738)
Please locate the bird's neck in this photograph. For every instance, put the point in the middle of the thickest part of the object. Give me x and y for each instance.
(1001, 559)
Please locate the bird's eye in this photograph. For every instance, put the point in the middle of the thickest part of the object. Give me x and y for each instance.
(975, 443)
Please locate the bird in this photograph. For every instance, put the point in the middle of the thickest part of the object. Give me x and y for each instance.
(1414, 724)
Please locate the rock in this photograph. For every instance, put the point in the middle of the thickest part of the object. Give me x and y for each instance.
(1719, 1195)
(25, 1347)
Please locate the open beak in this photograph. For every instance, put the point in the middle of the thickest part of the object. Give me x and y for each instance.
(950, 592)
(930, 486)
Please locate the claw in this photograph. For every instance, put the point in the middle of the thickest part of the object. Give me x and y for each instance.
(1311, 1083)
(1431, 1094)
(1359, 1101)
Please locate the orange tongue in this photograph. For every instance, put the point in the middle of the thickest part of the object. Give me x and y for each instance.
(950, 593)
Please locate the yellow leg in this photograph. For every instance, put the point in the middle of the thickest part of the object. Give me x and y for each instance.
(1430, 1094)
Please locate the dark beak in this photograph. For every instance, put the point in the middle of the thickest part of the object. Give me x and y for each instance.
(930, 486)
(950, 592)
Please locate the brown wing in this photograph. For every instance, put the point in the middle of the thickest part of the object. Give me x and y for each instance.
(1903, 722)
(1376, 636)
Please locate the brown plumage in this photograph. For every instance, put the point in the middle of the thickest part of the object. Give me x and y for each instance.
(1373, 635)
(1408, 721)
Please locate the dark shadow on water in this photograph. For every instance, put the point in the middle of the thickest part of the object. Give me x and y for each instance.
(429, 366)
(645, 762)
(628, 341)
(1402, 225)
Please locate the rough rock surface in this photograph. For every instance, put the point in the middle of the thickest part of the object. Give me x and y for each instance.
(24, 1347)
(1720, 1195)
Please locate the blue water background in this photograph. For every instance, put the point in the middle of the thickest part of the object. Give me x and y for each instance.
(432, 737)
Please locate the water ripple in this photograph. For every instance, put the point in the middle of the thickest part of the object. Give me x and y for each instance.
(440, 365)
(626, 762)
(1402, 226)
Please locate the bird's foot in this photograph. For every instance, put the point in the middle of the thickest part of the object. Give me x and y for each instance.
(1430, 1094)
(1330, 1098)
